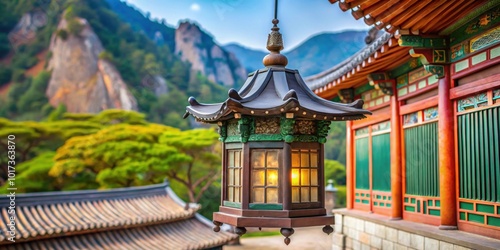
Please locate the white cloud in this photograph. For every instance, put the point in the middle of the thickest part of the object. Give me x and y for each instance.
(195, 7)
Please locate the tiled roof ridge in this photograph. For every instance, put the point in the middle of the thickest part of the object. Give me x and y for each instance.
(96, 211)
(322, 79)
(54, 197)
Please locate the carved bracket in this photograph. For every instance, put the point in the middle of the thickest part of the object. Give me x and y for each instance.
(437, 70)
(423, 42)
(381, 81)
(322, 130)
(286, 129)
(244, 127)
(428, 56)
(346, 95)
(222, 130)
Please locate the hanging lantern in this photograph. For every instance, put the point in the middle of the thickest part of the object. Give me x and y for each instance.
(273, 130)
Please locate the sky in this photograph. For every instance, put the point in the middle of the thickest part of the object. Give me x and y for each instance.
(247, 22)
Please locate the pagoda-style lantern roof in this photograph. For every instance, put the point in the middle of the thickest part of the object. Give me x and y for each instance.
(273, 91)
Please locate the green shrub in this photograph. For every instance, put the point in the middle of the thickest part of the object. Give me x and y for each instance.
(18, 75)
(63, 34)
(24, 61)
(5, 75)
(105, 55)
(75, 27)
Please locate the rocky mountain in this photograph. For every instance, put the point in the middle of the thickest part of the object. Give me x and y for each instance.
(250, 58)
(81, 80)
(158, 30)
(205, 56)
(313, 56)
(189, 42)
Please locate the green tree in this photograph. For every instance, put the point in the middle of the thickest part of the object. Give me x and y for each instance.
(33, 175)
(202, 166)
(335, 143)
(121, 155)
(335, 171)
(5, 75)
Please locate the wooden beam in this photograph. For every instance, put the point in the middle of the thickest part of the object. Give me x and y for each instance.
(344, 6)
(449, 16)
(395, 10)
(396, 159)
(357, 14)
(384, 48)
(393, 42)
(380, 7)
(429, 9)
(446, 157)
(414, 12)
(350, 165)
(420, 24)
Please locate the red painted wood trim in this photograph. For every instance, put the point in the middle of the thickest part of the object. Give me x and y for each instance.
(362, 207)
(457, 162)
(349, 165)
(396, 182)
(420, 105)
(477, 229)
(371, 120)
(476, 86)
(446, 152)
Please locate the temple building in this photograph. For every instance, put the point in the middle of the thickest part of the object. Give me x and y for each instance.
(148, 217)
(423, 171)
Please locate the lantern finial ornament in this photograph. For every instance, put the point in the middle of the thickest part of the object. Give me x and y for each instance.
(272, 132)
(275, 44)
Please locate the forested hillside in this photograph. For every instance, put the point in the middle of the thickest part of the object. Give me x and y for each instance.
(27, 49)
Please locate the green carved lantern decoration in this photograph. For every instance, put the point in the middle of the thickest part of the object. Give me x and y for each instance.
(273, 130)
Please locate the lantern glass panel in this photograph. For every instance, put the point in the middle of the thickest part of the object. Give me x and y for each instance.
(258, 178)
(314, 159)
(314, 177)
(304, 194)
(304, 159)
(272, 195)
(258, 195)
(265, 166)
(295, 177)
(314, 194)
(295, 160)
(233, 177)
(258, 158)
(295, 194)
(272, 177)
(305, 176)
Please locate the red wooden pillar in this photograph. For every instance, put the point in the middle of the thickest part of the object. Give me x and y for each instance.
(396, 173)
(349, 165)
(446, 154)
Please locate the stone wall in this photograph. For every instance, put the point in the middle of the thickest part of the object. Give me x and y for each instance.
(353, 232)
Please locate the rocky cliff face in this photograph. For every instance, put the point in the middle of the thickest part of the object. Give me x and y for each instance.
(206, 57)
(25, 30)
(82, 81)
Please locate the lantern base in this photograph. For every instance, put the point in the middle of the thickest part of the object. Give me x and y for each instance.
(243, 221)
